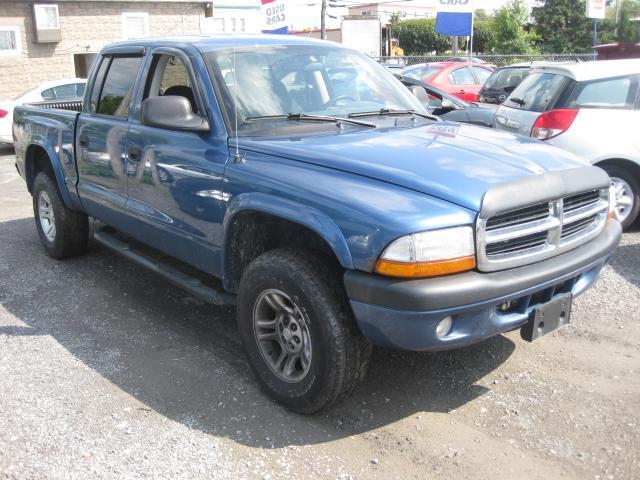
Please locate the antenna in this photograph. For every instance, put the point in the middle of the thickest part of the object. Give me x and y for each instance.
(236, 157)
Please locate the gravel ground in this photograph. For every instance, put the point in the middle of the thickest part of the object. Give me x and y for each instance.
(107, 371)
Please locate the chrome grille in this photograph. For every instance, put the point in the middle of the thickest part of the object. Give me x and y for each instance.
(538, 231)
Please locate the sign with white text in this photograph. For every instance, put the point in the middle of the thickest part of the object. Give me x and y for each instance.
(596, 8)
(274, 16)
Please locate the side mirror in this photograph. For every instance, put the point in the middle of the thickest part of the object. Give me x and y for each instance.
(174, 113)
(448, 105)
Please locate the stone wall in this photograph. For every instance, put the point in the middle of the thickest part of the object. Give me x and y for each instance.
(86, 27)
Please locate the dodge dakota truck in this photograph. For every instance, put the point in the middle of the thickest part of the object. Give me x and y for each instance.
(332, 209)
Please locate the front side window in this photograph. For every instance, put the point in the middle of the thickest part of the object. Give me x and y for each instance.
(537, 92)
(115, 95)
(462, 76)
(305, 79)
(169, 77)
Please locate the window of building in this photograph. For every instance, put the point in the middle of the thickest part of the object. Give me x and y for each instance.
(46, 16)
(242, 25)
(115, 95)
(218, 25)
(233, 24)
(9, 40)
(135, 25)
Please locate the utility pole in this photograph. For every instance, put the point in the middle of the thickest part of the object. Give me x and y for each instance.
(323, 15)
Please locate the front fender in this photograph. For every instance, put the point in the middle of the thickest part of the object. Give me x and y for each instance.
(295, 212)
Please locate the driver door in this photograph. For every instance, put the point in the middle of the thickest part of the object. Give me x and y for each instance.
(175, 178)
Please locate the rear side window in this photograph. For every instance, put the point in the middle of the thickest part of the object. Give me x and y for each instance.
(538, 92)
(618, 92)
(116, 91)
(462, 76)
(481, 74)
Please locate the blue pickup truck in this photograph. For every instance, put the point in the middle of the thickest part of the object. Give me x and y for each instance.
(329, 206)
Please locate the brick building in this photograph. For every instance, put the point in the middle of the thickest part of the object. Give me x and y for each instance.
(48, 40)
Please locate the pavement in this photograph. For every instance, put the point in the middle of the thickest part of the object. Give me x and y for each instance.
(107, 371)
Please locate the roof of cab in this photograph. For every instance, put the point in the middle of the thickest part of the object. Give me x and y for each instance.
(594, 70)
(207, 43)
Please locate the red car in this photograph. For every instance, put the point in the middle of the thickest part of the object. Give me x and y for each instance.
(462, 79)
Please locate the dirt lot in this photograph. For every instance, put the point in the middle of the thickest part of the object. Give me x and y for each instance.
(107, 371)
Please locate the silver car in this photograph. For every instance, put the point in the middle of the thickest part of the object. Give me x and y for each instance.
(591, 109)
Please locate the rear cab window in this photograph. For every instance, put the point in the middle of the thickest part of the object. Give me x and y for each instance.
(539, 92)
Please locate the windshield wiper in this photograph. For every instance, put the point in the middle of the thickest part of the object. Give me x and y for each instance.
(312, 118)
(391, 111)
(519, 101)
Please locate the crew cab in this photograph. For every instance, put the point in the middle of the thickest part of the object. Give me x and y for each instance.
(333, 218)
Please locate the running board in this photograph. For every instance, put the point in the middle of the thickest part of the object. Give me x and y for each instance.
(175, 276)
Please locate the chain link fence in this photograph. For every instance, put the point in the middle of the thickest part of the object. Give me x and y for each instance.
(498, 60)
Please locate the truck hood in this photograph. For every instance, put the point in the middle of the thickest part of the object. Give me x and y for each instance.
(448, 160)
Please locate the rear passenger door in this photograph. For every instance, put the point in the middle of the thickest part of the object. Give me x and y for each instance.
(101, 136)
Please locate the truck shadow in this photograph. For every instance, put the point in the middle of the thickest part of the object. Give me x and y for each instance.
(183, 359)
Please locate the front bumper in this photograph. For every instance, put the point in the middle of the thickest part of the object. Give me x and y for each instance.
(404, 313)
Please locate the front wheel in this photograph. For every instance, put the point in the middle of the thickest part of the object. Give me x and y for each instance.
(298, 330)
(627, 194)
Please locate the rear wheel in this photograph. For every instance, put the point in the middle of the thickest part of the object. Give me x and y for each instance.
(298, 330)
(627, 194)
(63, 232)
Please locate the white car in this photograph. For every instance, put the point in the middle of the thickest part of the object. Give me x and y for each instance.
(63, 89)
(591, 109)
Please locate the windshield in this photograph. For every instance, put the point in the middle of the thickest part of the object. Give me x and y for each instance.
(537, 92)
(506, 79)
(320, 80)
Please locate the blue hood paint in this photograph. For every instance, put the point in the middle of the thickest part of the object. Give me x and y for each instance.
(452, 161)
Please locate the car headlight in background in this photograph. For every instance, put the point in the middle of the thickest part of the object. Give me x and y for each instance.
(428, 254)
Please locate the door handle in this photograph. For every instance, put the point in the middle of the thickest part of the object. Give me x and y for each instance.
(134, 154)
(462, 91)
(83, 140)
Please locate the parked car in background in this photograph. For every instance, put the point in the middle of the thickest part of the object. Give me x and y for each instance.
(504, 80)
(63, 89)
(462, 79)
(591, 109)
(450, 107)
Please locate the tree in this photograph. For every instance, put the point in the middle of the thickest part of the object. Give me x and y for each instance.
(419, 37)
(482, 34)
(563, 26)
(628, 30)
(510, 33)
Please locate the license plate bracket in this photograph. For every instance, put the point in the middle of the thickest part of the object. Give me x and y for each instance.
(547, 317)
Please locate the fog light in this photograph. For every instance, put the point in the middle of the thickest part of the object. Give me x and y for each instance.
(444, 327)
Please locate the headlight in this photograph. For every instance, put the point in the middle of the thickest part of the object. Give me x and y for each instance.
(428, 254)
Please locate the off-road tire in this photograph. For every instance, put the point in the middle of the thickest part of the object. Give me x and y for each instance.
(340, 353)
(71, 227)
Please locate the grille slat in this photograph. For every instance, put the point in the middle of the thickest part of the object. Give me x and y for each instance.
(519, 243)
(580, 200)
(522, 215)
(578, 226)
(537, 230)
